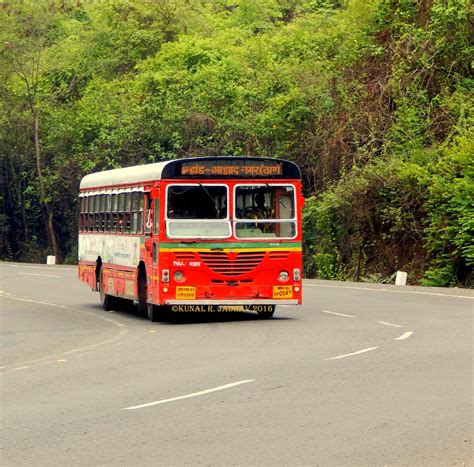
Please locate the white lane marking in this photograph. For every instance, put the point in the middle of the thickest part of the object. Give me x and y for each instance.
(337, 314)
(122, 331)
(29, 300)
(388, 290)
(38, 267)
(405, 335)
(21, 368)
(386, 323)
(34, 274)
(194, 394)
(353, 353)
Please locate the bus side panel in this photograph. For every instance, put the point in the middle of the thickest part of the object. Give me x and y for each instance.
(120, 250)
(86, 274)
(120, 283)
(119, 255)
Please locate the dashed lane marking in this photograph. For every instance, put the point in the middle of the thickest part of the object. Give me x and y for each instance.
(194, 394)
(38, 267)
(386, 323)
(35, 274)
(351, 354)
(389, 290)
(338, 314)
(405, 335)
(22, 368)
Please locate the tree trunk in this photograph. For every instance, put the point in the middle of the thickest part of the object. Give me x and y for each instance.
(356, 276)
(53, 242)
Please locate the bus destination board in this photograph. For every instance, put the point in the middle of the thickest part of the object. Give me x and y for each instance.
(228, 168)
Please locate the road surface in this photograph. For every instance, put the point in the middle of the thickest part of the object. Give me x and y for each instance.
(359, 375)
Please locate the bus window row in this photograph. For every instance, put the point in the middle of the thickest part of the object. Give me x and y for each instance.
(112, 213)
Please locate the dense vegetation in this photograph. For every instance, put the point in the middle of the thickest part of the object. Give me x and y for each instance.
(373, 99)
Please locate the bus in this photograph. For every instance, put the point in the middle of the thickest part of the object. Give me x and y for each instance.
(193, 234)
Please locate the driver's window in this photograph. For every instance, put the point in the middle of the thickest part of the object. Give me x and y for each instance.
(156, 214)
(148, 216)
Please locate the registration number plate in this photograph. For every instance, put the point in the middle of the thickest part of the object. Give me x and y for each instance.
(282, 291)
(186, 293)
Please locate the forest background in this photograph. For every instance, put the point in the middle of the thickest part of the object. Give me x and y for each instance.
(372, 99)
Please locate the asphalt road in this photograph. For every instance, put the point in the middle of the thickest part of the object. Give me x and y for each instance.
(358, 375)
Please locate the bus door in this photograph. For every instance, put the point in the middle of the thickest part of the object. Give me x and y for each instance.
(154, 267)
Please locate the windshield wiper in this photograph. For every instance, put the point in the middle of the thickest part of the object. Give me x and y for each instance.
(216, 206)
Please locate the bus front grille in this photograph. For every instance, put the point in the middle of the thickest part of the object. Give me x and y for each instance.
(184, 255)
(278, 255)
(231, 264)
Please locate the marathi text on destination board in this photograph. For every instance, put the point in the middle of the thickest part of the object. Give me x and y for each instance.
(232, 170)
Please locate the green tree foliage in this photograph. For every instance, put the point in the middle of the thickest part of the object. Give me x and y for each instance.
(373, 99)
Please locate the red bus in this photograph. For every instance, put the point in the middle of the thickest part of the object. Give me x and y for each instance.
(196, 234)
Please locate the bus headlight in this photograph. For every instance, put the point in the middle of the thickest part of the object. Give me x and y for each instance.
(283, 276)
(178, 276)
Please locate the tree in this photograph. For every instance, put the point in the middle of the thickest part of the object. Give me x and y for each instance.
(28, 32)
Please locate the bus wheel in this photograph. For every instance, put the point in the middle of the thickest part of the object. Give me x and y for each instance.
(107, 301)
(142, 293)
(268, 313)
(152, 311)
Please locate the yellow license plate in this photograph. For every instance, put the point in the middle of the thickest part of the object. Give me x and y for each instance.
(282, 291)
(186, 293)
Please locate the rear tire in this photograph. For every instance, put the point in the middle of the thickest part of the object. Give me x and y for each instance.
(142, 293)
(152, 312)
(107, 301)
(267, 314)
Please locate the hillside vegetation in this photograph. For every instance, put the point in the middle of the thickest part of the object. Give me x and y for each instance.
(372, 99)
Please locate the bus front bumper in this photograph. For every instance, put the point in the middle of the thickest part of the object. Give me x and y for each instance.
(233, 302)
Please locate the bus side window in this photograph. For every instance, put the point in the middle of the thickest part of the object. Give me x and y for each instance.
(134, 212)
(102, 213)
(81, 214)
(156, 214)
(96, 213)
(99, 213)
(85, 220)
(114, 213)
(90, 215)
(120, 209)
(140, 213)
(108, 214)
(126, 212)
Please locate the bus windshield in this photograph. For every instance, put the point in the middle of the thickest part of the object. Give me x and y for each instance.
(266, 211)
(197, 210)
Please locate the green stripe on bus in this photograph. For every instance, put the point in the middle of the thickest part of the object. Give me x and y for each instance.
(239, 245)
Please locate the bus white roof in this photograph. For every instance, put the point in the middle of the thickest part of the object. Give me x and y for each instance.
(136, 174)
(141, 174)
